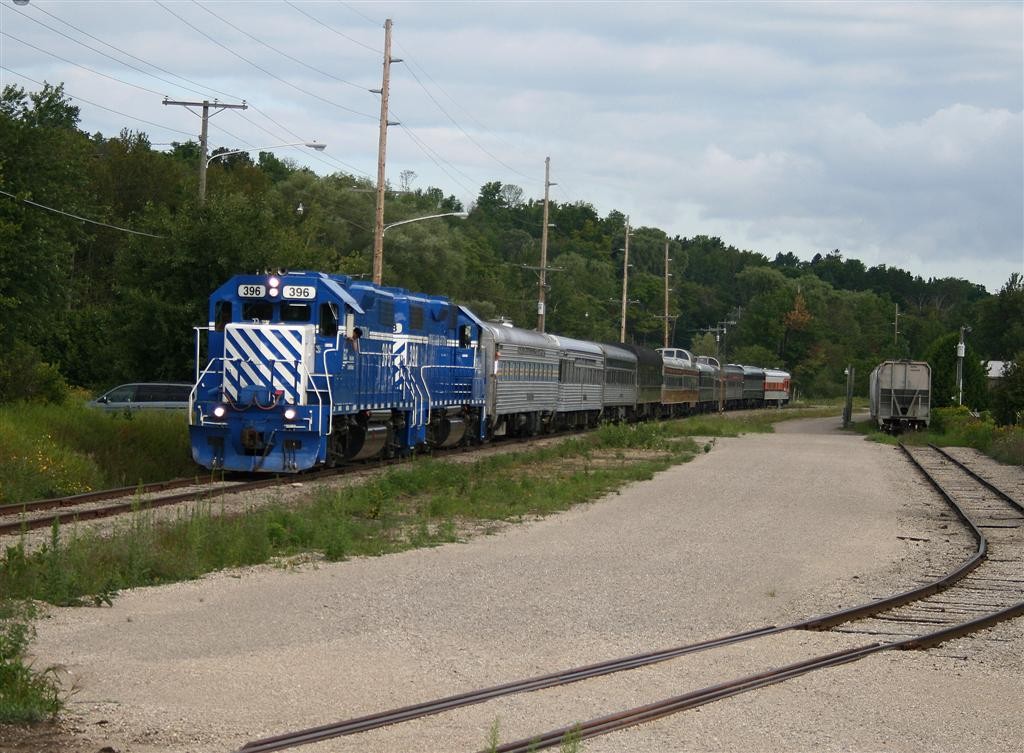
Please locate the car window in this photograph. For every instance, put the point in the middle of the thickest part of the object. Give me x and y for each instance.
(123, 394)
(179, 392)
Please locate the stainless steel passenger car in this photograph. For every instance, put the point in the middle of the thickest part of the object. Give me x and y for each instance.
(901, 395)
(620, 383)
(522, 395)
(580, 382)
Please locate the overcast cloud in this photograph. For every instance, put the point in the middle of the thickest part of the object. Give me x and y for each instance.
(891, 131)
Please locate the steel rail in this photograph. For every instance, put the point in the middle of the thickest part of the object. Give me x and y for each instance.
(427, 708)
(640, 714)
(96, 496)
(980, 479)
(407, 713)
(76, 516)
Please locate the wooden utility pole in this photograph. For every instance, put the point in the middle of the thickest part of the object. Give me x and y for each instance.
(204, 130)
(378, 225)
(667, 275)
(541, 303)
(625, 284)
(896, 327)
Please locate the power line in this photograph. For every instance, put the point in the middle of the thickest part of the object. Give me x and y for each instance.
(83, 219)
(94, 104)
(262, 69)
(135, 57)
(280, 52)
(104, 54)
(333, 30)
(79, 65)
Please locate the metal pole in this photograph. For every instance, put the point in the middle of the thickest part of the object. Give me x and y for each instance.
(960, 349)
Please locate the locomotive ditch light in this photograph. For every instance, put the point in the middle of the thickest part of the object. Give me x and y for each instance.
(220, 411)
(290, 414)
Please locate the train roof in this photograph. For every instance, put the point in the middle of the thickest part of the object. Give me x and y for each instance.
(617, 350)
(583, 346)
(645, 356)
(504, 333)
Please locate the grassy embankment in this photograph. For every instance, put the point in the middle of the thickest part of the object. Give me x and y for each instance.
(956, 427)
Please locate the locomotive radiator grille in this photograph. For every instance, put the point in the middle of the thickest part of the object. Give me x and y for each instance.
(267, 359)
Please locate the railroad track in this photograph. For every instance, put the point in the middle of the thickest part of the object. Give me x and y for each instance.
(984, 589)
(36, 514)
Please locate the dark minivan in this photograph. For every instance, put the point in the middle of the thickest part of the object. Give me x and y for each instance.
(144, 396)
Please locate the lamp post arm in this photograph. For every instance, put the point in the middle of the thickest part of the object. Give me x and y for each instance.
(310, 144)
(428, 217)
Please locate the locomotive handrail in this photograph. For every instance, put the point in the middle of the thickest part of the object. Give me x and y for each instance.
(426, 386)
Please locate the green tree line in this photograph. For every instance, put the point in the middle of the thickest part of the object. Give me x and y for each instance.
(115, 296)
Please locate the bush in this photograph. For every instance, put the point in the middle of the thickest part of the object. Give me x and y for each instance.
(24, 376)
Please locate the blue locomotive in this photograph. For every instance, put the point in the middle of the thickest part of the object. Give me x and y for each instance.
(305, 369)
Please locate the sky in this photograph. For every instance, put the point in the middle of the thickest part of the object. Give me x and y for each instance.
(891, 131)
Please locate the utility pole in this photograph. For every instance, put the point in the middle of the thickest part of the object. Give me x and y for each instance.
(206, 105)
(541, 311)
(625, 284)
(896, 327)
(378, 225)
(667, 289)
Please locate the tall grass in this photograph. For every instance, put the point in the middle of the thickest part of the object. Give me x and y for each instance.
(424, 503)
(957, 427)
(26, 695)
(53, 450)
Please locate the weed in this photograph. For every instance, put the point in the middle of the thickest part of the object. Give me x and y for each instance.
(25, 695)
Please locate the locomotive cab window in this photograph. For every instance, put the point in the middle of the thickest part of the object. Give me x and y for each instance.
(328, 320)
(262, 311)
(465, 336)
(221, 315)
(295, 312)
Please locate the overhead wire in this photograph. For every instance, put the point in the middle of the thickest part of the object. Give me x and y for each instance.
(78, 217)
(260, 68)
(335, 31)
(104, 54)
(94, 104)
(205, 87)
(279, 52)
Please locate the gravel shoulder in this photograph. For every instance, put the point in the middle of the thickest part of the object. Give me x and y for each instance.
(765, 529)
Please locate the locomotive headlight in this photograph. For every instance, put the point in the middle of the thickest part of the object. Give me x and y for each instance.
(290, 414)
(274, 292)
(220, 411)
(274, 281)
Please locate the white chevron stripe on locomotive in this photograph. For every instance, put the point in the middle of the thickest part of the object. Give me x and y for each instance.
(267, 357)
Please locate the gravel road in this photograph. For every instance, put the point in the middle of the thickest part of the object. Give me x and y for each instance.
(763, 530)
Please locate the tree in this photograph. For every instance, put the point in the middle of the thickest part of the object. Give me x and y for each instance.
(943, 360)
(1008, 395)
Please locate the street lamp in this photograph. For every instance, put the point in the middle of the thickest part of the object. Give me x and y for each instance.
(311, 144)
(378, 259)
(205, 164)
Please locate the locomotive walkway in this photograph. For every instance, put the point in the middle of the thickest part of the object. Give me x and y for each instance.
(763, 530)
